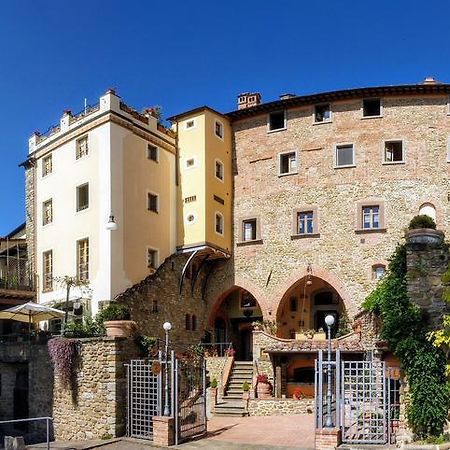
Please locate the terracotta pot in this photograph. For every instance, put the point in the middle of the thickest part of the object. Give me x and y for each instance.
(424, 236)
(120, 328)
(264, 390)
(213, 396)
(245, 395)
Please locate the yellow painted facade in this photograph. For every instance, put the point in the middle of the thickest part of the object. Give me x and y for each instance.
(204, 140)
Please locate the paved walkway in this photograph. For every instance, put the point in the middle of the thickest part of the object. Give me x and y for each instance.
(241, 433)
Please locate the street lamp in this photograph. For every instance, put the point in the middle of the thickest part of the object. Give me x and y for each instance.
(329, 320)
(111, 225)
(167, 327)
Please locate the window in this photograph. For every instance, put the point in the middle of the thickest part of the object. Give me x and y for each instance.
(219, 170)
(83, 259)
(190, 124)
(154, 306)
(370, 217)
(83, 197)
(345, 155)
(47, 271)
(371, 107)
(393, 152)
(247, 300)
(194, 322)
(218, 129)
(187, 322)
(152, 152)
(189, 163)
(288, 163)
(81, 147)
(219, 199)
(249, 230)
(304, 375)
(47, 212)
(277, 121)
(293, 304)
(152, 258)
(322, 113)
(219, 223)
(47, 165)
(305, 222)
(378, 271)
(429, 210)
(152, 202)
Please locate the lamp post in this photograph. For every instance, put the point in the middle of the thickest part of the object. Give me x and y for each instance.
(167, 327)
(329, 320)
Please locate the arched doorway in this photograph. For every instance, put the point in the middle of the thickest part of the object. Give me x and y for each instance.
(232, 321)
(305, 305)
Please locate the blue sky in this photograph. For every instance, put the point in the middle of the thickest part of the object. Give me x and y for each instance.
(182, 54)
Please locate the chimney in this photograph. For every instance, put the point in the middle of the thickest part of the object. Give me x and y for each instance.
(430, 80)
(286, 96)
(248, 99)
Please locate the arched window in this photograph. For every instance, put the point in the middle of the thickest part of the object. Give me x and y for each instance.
(193, 322)
(428, 209)
(187, 322)
(378, 271)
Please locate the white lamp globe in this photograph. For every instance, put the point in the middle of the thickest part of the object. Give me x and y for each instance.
(167, 326)
(111, 225)
(329, 320)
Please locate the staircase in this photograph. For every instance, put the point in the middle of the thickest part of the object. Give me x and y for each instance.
(232, 404)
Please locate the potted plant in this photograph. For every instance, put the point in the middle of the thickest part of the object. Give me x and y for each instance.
(213, 391)
(116, 320)
(422, 230)
(263, 386)
(230, 352)
(298, 394)
(245, 390)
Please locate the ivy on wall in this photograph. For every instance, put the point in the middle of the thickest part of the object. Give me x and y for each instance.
(405, 328)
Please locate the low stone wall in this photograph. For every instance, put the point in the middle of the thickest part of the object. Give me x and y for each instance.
(214, 367)
(96, 405)
(280, 407)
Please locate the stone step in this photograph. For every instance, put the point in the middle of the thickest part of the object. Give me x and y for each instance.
(233, 396)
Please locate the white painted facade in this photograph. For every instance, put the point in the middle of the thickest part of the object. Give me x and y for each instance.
(119, 174)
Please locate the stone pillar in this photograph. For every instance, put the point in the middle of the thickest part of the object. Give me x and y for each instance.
(327, 438)
(425, 264)
(163, 431)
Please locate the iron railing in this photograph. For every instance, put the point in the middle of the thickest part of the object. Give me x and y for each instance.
(32, 419)
(15, 273)
(217, 348)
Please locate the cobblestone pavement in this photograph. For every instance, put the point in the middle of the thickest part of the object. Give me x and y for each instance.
(294, 432)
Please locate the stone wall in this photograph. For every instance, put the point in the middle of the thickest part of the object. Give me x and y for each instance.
(338, 253)
(96, 406)
(32, 360)
(280, 407)
(157, 299)
(425, 265)
(215, 366)
(30, 171)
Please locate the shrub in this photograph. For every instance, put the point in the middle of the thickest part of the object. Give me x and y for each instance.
(148, 345)
(115, 311)
(214, 383)
(422, 221)
(245, 386)
(262, 378)
(88, 328)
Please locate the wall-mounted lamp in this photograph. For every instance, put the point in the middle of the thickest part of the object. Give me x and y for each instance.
(111, 225)
(309, 275)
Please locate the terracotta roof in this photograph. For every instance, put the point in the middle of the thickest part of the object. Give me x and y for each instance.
(348, 343)
(380, 91)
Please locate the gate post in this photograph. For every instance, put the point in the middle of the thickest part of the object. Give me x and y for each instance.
(163, 431)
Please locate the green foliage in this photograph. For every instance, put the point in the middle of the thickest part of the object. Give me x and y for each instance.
(406, 329)
(148, 345)
(422, 221)
(114, 311)
(245, 386)
(343, 325)
(86, 328)
(214, 383)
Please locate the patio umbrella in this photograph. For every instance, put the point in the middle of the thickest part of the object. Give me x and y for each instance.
(31, 312)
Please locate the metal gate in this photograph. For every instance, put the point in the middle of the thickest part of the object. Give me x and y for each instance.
(364, 403)
(190, 398)
(144, 388)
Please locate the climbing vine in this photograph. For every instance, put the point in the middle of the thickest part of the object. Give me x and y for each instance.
(405, 328)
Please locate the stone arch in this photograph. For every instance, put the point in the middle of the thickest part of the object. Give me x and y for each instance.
(318, 272)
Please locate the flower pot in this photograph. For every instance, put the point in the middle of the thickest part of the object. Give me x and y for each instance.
(320, 336)
(213, 396)
(264, 390)
(426, 236)
(246, 395)
(120, 328)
